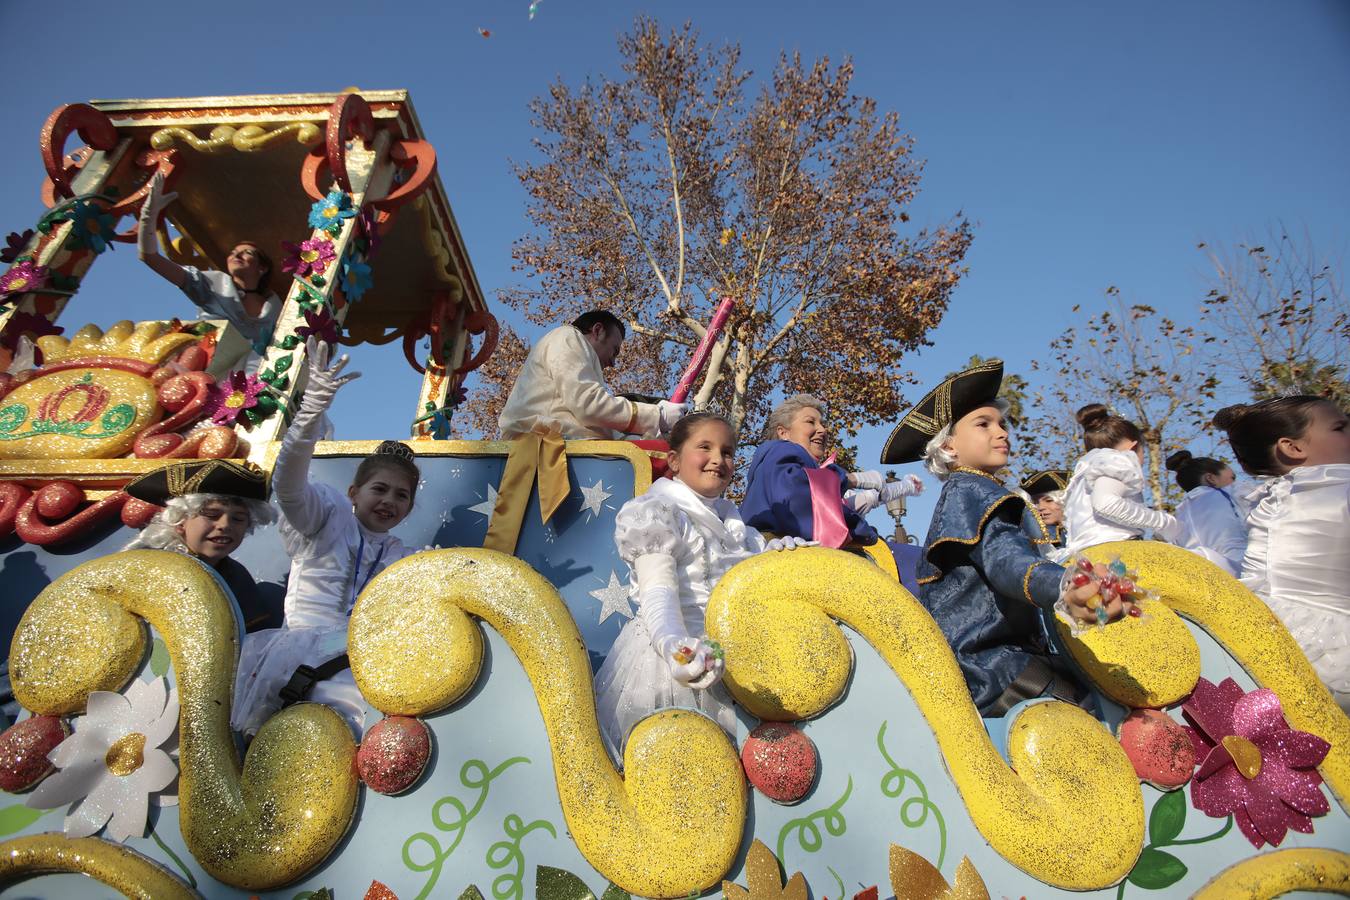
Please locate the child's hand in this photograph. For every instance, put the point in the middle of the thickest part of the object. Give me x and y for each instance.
(1084, 597)
(324, 380)
(696, 663)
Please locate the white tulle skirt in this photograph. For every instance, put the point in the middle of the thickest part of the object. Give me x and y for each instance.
(1324, 636)
(634, 682)
(269, 658)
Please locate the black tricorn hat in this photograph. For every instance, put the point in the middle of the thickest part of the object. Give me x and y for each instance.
(201, 476)
(945, 404)
(1046, 482)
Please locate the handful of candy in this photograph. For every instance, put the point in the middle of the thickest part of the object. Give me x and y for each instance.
(699, 663)
(684, 654)
(1115, 583)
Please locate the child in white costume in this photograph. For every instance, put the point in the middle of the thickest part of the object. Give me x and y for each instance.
(1298, 539)
(1105, 501)
(337, 544)
(678, 539)
(1214, 522)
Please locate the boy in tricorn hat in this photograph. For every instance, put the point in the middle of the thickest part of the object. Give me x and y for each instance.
(1046, 489)
(210, 506)
(981, 577)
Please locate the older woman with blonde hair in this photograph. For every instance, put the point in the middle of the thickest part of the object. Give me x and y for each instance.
(795, 489)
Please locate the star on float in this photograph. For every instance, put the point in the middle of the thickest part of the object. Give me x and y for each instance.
(487, 506)
(613, 598)
(594, 498)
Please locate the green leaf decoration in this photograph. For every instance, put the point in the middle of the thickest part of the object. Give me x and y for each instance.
(317, 280)
(614, 892)
(289, 342)
(471, 893)
(283, 364)
(18, 817)
(320, 894)
(559, 884)
(1167, 818)
(159, 658)
(1156, 870)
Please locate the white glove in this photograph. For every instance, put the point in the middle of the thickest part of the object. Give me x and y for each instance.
(869, 481)
(147, 238)
(670, 413)
(692, 662)
(324, 382)
(909, 486)
(863, 501)
(790, 542)
(696, 663)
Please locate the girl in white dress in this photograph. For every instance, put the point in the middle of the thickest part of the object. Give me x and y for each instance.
(678, 539)
(1105, 501)
(337, 544)
(1298, 539)
(1214, 522)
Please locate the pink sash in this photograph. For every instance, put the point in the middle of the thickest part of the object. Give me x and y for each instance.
(827, 506)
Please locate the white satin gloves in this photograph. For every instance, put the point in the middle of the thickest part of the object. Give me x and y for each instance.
(909, 486)
(324, 382)
(791, 542)
(669, 413)
(147, 237)
(693, 662)
(870, 480)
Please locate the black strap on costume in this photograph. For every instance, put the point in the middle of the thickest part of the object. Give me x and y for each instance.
(302, 682)
(1038, 679)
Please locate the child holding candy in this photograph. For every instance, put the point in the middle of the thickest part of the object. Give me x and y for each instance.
(981, 577)
(678, 539)
(1298, 542)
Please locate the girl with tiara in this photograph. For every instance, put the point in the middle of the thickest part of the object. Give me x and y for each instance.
(678, 539)
(337, 544)
(1105, 501)
(1298, 539)
(1215, 527)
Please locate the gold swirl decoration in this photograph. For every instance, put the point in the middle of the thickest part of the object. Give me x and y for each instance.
(115, 865)
(294, 799)
(1252, 635)
(245, 139)
(638, 829)
(1280, 872)
(784, 658)
(1147, 662)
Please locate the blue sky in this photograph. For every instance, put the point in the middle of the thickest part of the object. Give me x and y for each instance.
(1092, 144)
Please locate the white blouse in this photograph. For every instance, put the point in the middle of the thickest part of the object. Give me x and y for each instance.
(1214, 526)
(1105, 502)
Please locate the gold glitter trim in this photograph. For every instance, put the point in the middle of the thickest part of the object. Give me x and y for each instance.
(1279, 872)
(775, 618)
(979, 530)
(1026, 579)
(245, 139)
(115, 865)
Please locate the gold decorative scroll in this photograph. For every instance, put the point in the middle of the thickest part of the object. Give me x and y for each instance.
(246, 138)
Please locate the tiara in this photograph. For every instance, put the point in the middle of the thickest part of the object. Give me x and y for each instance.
(395, 448)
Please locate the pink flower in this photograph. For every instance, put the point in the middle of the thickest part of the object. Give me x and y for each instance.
(228, 400)
(309, 257)
(1253, 766)
(24, 276)
(319, 324)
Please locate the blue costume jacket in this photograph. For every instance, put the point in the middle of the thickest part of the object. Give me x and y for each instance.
(778, 498)
(983, 579)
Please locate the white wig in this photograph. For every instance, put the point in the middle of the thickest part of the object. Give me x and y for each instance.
(162, 532)
(937, 458)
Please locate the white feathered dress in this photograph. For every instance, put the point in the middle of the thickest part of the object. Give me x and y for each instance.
(704, 538)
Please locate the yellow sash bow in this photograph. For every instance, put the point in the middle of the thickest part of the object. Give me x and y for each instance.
(533, 456)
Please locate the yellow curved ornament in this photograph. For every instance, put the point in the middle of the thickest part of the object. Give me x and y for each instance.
(771, 614)
(628, 827)
(1280, 872)
(1147, 662)
(245, 139)
(294, 799)
(1250, 632)
(115, 865)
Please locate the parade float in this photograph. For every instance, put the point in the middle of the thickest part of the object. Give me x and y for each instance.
(1220, 766)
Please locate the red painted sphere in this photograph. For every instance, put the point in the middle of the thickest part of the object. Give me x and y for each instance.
(58, 499)
(1158, 747)
(138, 513)
(23, 751)
(393, 754)
(780, 761)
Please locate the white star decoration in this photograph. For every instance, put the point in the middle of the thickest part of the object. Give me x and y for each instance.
(595, 497)
(613, 599)
(487, 506)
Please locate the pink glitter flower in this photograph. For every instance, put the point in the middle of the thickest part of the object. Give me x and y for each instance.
(319, 324)
(228, 400)
(24, 276)
(1253, 766)
(309, 257)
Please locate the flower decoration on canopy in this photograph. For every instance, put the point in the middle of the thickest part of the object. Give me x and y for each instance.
(15, 244)
(23, 277)
(1252, 764)
(370, 230)
(309, 257)
(330, 212)
(91, 226)
(356, 278)
(228, 400)
(26, 324)
(115, 762)
(319, 323)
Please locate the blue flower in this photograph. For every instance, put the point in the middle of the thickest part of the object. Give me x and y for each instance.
(356, 279)
(91, 226)
(440, 426)
(330, 212)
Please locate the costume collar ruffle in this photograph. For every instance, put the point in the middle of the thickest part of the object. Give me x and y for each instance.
(719, 517)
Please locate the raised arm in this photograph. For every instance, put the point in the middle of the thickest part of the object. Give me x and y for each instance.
(1110, 501)
(147, 240)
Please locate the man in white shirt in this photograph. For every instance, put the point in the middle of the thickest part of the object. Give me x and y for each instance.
(561, 388)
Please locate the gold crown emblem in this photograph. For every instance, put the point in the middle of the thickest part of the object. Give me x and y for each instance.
(150, 342)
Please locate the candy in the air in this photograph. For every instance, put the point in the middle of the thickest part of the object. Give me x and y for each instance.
(393, 754)
(23, 751)
(780, 761)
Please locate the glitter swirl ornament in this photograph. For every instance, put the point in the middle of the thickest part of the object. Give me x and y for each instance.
(393, 754)
(1271, 875)
(780, 761)
(414, 650)
(258, 828)
(1158, 747)
(115, 865)
(23, 751)
(774, 615)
